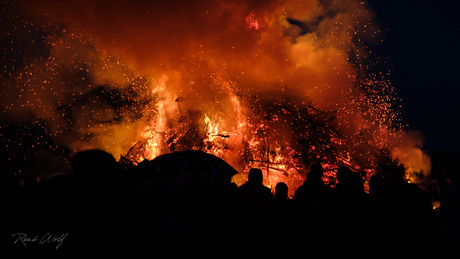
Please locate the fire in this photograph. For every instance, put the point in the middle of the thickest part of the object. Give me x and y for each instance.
(252, 22)
(277, 85)
(278, 165)
(213, 130)
(154, 142)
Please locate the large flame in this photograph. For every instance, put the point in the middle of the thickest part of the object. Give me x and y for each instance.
(271, 84)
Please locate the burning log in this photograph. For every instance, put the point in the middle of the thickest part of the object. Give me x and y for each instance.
(178, 101)
(277, 136)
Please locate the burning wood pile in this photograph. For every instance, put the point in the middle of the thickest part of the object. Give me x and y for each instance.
(277, 85)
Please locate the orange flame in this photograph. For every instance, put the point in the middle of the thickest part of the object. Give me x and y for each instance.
(269, 84)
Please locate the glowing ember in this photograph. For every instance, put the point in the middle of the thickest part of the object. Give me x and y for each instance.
(252, 22)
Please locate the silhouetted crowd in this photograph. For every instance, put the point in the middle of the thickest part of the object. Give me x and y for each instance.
(104, 209)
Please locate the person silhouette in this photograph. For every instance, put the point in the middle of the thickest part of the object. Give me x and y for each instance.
(312, 200)
(313, 189)
(95, 169)
(253, 190)
(350, 186)
(281, 191)
(253, 215)
(450, 208)
(99, 207)
(282, 205)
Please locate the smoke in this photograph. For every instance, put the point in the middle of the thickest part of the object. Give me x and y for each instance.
(410, 154)
(83, 97)
(109, 68)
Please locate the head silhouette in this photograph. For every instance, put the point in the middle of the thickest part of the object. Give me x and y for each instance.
(281, 191)
(255, 176)
(316, 172)
(378, 185)
(344, 174)
(94, 164)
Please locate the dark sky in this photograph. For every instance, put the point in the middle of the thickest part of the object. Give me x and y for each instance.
(421, 42)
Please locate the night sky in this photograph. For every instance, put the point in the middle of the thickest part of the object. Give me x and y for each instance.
(421, 44)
